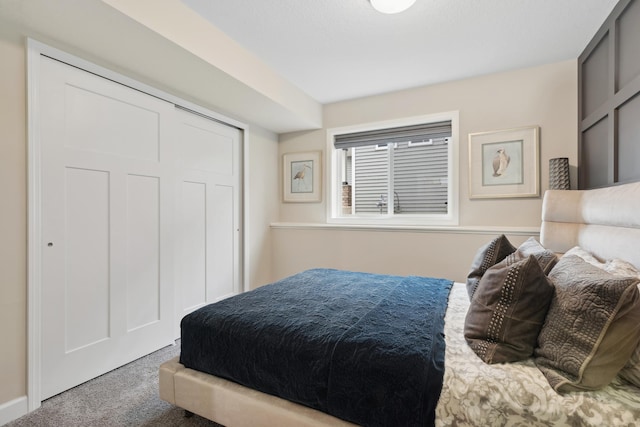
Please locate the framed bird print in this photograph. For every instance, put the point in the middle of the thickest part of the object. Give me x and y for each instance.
(302, 177)
(504, 163)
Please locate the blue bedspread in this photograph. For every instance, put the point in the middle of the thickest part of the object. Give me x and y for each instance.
(363, 347)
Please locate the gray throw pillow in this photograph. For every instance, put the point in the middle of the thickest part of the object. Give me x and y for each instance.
(487, 256)
(591, 329)
(507, 310)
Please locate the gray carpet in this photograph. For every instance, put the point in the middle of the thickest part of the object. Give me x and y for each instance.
(127, 396)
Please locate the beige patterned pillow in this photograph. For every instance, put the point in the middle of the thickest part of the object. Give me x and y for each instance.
(631, 371)
(617, 267)
(508, 309)
(487, 256)
(591, 329)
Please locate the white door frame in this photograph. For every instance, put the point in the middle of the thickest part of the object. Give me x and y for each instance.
(34, 50)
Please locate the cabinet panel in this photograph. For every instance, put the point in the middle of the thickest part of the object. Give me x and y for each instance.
(595, 77)
(595, 155)
(629, 141)
(609, 84)
(628, 58)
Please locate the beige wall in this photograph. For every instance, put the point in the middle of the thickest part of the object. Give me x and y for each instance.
(426, 253)
(545, 96)
(13, 218)
(262, 209)
(262, 205)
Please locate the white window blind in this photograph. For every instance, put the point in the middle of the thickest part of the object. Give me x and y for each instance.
(415, 133)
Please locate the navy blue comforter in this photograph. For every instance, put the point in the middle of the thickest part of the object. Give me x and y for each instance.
(363, 347)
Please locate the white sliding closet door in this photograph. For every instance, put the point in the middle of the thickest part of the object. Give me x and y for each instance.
(140, 206)
(106, 294)
(208, 221)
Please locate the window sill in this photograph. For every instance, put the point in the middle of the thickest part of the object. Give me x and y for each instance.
(490, 230)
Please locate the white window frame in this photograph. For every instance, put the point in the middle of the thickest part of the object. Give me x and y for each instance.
(334, 188)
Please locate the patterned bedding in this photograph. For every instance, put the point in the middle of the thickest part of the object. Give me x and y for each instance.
(517, 394)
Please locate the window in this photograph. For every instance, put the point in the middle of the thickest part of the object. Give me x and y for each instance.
(401, 172)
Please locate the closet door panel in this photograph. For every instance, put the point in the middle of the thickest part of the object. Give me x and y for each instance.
(208, 169)
(106, 292)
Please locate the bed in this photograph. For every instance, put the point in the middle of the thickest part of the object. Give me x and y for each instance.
(486, 380)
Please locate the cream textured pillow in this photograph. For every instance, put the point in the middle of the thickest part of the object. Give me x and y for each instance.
(546, 258)
(487, 256)
(618, 267)
(591, 329)
(585, 255)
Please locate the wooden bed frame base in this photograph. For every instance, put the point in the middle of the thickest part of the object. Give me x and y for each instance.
(231, 404)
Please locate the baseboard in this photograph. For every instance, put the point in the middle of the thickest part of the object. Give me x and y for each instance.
(13, 410)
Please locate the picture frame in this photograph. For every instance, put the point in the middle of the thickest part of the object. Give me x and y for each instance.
(302, 176)
(504, 163)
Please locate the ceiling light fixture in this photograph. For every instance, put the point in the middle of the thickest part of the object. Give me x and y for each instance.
(391, 6)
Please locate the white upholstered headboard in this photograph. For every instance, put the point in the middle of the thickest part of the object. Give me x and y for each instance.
(604, 221)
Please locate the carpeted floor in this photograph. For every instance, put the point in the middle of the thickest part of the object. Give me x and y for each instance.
(127, 396)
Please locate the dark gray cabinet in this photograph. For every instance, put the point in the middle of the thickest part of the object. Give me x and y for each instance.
(609, 101)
